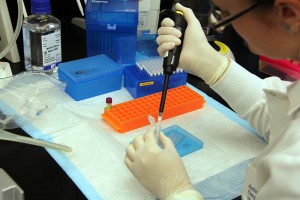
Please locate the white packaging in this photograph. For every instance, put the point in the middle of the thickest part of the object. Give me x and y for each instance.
(148, 16)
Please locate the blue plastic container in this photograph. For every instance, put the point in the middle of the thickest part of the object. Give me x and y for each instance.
(139, 83)
(184, 142)
(108, 20)
(90, 76)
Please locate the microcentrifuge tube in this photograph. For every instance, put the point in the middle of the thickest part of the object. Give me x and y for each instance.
(108, 103)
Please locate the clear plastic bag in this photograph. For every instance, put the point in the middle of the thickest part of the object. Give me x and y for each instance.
(27, 97)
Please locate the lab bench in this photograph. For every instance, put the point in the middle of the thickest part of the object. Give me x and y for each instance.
(34, 169)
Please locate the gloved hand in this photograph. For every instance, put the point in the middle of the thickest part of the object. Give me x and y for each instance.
(160, 170)
(197, 57)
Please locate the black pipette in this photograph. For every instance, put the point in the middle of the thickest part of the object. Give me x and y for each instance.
(171, 58)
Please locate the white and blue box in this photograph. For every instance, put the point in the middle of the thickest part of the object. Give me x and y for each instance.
(89, 77)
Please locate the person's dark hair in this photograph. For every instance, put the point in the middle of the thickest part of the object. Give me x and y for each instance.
(264, 2)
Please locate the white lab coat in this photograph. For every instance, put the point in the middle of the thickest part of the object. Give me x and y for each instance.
(273, 109)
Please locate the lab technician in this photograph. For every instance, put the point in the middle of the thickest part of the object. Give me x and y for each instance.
(270, 28)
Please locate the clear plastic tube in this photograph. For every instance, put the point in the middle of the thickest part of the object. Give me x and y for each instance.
(158, 128)
(17, 31)
(4, 135)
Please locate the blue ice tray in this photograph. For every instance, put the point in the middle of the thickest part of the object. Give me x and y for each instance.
(184, 142)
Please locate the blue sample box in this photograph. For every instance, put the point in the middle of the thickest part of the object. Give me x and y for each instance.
(106, 21)
(89, 77)
(184, 142)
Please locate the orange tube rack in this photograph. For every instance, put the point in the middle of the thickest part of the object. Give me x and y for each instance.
(133, 114)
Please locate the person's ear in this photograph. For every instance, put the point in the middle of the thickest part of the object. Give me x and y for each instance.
(289, 15)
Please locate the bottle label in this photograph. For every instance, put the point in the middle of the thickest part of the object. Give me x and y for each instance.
(51, 50)
(27, 52)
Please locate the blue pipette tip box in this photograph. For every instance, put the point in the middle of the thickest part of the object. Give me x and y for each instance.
(137, 81)
(184, 142)
(139, 84)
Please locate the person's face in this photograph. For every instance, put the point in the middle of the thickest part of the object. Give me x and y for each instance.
(260, 28)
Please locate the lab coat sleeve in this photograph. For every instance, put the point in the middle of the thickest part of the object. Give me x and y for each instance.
(244, 93)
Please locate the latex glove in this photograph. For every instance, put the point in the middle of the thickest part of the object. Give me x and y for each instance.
(197, 57)
(160, 170)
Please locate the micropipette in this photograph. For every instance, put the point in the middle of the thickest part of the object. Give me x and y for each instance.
(171, 58)
(4, 135)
